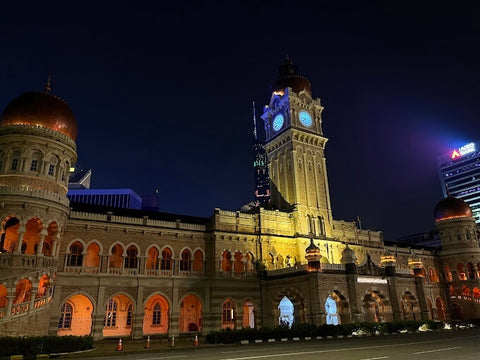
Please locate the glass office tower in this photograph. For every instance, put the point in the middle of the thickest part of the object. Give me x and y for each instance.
(459, 172)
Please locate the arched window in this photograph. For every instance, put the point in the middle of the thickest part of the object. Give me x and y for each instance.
(238, 265)
(198, 261)
(228, 315)
(15, 160)
(129, 321)
(321, 224)
(471, 272)
(157, 314)
(35, 164)
(185, 263)
(131, 258)
(461, 272)
(111, 313)
(226, 261)
(448, 274)
(75, 257)
(166, 263)
(269, 260)
(65, 321)
(152, 260)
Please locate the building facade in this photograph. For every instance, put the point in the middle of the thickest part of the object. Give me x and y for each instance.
(111, 272)
(459, 173)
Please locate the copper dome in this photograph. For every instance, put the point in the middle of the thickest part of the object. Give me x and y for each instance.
(288, 77)
(40, 109)
(451, 207)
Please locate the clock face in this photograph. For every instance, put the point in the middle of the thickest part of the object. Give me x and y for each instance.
(305, 118)
(278, 122)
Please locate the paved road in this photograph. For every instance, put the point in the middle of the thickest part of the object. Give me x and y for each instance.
(464, 345)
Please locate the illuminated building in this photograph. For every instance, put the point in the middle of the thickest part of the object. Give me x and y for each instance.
(78, 269)
(459, 173)
(260, 165)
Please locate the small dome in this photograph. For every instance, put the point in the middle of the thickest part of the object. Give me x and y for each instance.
(312, 252)
(40, 109)
(288, 77)
(451, 207)
(348, 256)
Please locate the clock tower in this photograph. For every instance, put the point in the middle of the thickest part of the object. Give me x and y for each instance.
(295, 148)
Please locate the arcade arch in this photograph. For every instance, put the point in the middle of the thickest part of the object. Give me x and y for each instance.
(190, 314)
(248, 314)
(76, 316)
(156, 320)
(118, 316)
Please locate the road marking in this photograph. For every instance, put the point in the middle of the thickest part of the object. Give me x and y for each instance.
(258, 349)
(381, 357)
(163, 357)
(444, 349)
(339, 350)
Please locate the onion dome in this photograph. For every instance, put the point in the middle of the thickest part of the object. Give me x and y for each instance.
(312, 252)
(288, 77)
(450, 208)
(388, 259)
(41, 109)
(348, 256)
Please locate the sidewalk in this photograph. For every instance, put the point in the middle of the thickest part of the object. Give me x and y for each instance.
(108, 348)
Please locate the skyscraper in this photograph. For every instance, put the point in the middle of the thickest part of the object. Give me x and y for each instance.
(459, 173)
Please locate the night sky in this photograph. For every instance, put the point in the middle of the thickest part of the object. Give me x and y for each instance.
(162, 93)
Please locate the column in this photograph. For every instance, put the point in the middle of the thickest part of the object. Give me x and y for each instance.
(137, 330)
(99, 314)
(392, 289)
(18, 245)
(351, 274)
(41, 242)
(419, 286)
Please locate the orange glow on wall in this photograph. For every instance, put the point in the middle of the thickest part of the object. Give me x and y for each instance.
(3, 296)
(190, 314)
(80, 323)
(156, 318)
(92, 258)
(118, 320)
(23, 291)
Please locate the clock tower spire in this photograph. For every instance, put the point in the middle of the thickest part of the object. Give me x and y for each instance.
(295, 148)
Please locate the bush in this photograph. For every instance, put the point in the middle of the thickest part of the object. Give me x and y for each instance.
(31, 346)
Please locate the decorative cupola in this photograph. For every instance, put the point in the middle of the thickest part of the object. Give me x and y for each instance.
(348, 256)
(313, 256)
(416, 264)
(388, 259)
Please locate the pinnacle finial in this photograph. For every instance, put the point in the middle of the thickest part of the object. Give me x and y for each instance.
(254, 122)
(48, 85)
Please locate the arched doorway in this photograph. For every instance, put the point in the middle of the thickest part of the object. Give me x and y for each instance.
(32, 236)
(118, 316)
(190, 314)
(156, 319)
(286, 310)
(456, 312)
(374, 305)
(76, 316)
(228, 314)
(409, 307)
(248, 314)
(440, 309)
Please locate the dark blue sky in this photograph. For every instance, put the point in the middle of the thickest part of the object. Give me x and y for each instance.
(162, 93)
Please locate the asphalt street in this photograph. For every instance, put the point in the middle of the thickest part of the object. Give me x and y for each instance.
(463, 344)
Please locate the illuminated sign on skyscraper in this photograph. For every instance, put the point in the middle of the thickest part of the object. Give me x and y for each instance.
(464, 150)
(459, 173)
